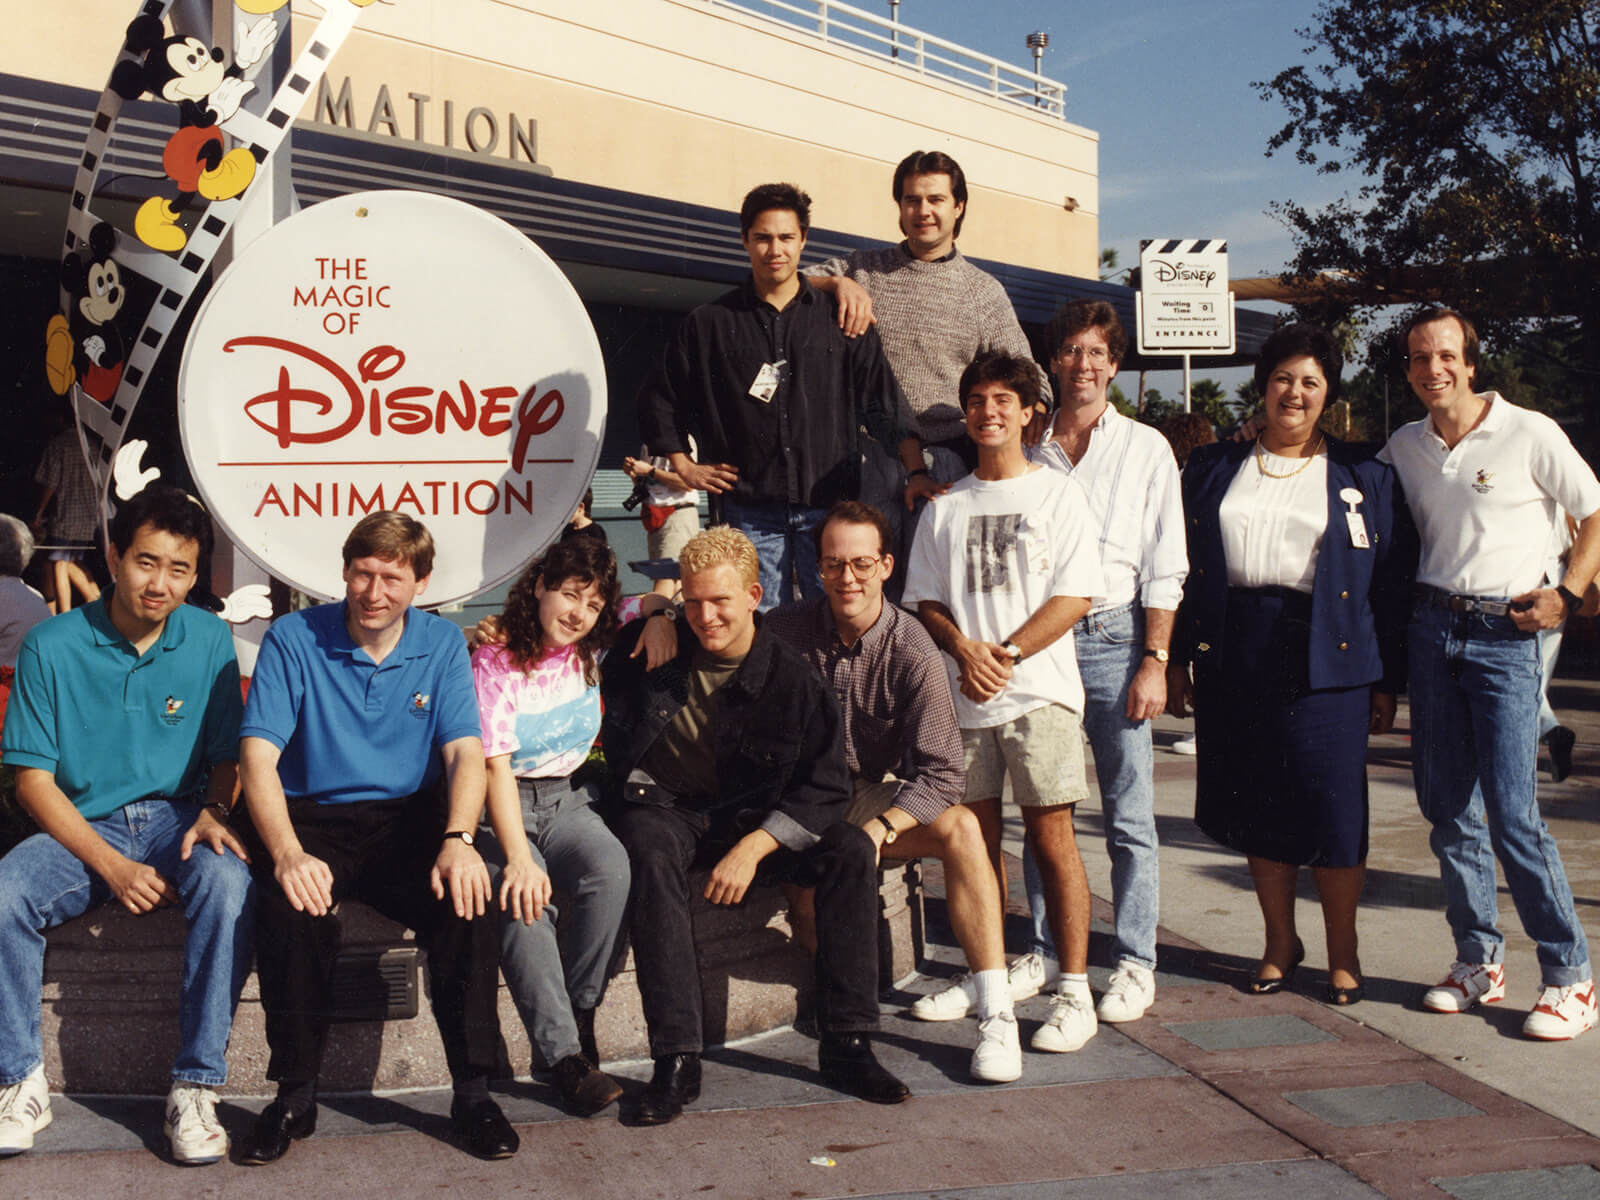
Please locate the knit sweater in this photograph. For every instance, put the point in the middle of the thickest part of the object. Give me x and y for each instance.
(933, 318)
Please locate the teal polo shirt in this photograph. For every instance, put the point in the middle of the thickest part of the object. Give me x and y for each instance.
(114, 726)
(350, 729)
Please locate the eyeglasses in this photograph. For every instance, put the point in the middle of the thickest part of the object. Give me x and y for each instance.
(833, 568)
(1095, 354)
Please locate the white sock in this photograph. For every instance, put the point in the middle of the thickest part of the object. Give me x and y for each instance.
(1074, 985)
(992, 991)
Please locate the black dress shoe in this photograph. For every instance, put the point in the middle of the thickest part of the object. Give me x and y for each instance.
(1561, 741)
(275, 1128)
(1271, 987)
(587, 1046)
(847, 1063)
(1339, 997)
(676, 1082)
(483, 1129)
(584, 1088)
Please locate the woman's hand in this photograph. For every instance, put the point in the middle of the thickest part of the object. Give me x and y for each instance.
(1180, 690)
(1383, 706)
(524, 890)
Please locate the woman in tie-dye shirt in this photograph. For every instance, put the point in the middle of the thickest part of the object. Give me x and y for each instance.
(539, 697)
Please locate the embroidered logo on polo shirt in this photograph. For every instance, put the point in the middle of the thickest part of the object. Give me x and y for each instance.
(1484, 482)
(419, 704)
(169, 710)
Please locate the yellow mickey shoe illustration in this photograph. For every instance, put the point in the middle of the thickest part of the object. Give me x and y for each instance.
(156, 224)
(229, 177)
(58, 368)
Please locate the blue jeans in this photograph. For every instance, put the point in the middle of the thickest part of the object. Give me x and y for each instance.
(42, 884)
(1475, 683)
(786, 547)
(1110, 649)
(589, 872)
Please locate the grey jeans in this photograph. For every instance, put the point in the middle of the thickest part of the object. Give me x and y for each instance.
(588, 871)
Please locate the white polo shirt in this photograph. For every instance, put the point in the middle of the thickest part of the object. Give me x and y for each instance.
(1485, 509)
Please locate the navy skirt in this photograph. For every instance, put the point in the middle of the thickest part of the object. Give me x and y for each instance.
(1281, 769)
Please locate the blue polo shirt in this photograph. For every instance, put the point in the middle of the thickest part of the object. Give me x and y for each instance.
(114, 726)
(350, 729)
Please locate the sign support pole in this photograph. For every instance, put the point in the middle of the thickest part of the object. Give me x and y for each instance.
(1187, 384)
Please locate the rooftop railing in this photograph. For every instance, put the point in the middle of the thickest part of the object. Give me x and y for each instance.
(922, 53)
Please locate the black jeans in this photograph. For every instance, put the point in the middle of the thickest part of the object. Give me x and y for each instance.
(381, 853)
(664, 841)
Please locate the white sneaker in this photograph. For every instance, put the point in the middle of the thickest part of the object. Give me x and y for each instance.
(1466, 985)
(1562, 1013)
(951, 1004)
(998, 1058)
(1029, 975)
(1185, 746)
(24, 1110)
(192, 1127)
(1132, 990)
(1071, 1024)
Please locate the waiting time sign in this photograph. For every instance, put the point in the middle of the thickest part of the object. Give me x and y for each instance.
(1183, 300)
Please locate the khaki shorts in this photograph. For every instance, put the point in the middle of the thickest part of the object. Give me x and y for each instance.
(1042, 751)
(674, 535)
(872, 799)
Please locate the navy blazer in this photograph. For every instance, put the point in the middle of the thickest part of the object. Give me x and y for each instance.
(1360, 598)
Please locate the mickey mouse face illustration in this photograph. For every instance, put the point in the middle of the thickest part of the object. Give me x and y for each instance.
(196, 68)
(102, 292)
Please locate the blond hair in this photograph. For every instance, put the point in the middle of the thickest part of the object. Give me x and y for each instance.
(718, 546)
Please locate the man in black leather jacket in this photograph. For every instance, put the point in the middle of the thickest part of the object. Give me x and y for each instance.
(732, 754)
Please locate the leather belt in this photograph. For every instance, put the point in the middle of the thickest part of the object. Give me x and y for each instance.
(1457, 603)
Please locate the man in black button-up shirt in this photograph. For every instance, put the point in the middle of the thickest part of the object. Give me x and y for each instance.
(776, 396)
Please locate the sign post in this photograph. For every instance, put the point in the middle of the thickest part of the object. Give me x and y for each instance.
(1183, 301)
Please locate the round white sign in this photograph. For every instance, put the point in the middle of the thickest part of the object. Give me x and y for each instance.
(392, 350)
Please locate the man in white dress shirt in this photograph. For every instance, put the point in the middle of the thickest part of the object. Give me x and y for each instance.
(1486, 481)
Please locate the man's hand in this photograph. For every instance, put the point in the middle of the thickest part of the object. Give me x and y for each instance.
(731, 877)
(1382, 712)
(1545, 609)
(658, 641)
(923, 487)
(1180, 690)
(524, 890)
(855, 305)
(214, 833)
(708, 477)
(139, 886)
(1147, 694)
(985, 669)
(306, 880)
(460, 870)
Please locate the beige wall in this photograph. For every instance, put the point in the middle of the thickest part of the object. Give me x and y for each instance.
(677, 99)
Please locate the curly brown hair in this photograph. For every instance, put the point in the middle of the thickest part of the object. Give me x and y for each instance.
(588, 560)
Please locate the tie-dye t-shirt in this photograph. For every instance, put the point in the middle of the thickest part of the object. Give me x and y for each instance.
(546, 718)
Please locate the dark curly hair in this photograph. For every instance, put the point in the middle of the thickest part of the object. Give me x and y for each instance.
(587, 560)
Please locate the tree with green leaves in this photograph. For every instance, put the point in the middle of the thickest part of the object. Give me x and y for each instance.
(1473, 127)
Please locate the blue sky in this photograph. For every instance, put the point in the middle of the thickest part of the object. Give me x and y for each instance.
(1166, 84)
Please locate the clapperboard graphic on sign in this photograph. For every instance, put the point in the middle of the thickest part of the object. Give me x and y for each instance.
(1183, 300)
(124, 288)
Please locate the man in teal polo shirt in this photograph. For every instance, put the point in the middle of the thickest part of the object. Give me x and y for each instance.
(124, 731)
(362, 760)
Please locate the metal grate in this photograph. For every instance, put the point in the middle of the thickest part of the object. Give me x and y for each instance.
(375, 985)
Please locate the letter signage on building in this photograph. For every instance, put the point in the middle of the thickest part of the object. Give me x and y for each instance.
(392, 350)
(1183, 299)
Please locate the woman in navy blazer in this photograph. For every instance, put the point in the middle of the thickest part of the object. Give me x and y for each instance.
(1301, 555)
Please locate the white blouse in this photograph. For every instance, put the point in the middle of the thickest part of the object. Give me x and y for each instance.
(1273, 527)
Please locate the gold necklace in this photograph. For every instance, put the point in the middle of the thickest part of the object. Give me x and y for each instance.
(1306, 462)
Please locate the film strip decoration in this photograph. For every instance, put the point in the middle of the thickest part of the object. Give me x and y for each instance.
(83, 347)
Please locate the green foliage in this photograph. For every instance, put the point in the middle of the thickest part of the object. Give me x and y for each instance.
(1474, 130)
(1120, 401)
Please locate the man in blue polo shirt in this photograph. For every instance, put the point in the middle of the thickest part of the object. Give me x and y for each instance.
(123, 729)
(362, 761)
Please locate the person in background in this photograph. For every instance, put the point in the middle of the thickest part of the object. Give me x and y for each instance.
(583, 523)
(68, 516)
(1293, 621)
(670, 512)
(21, 608)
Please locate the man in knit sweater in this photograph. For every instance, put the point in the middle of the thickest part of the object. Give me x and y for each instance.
(935, 311)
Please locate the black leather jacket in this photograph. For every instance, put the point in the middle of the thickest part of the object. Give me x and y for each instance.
(779, 736)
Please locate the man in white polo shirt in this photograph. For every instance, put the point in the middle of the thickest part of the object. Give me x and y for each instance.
(1486, 481)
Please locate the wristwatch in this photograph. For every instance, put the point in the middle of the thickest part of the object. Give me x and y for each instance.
(1013, 651)
(220, 811)
(1570, 598)
(889, 831)
(464, 835)
(1161, 656)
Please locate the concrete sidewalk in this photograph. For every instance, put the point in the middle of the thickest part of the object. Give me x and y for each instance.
(1215, 1093)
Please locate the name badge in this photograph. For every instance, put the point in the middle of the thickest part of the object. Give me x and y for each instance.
(1353, 519)
(766, 382)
